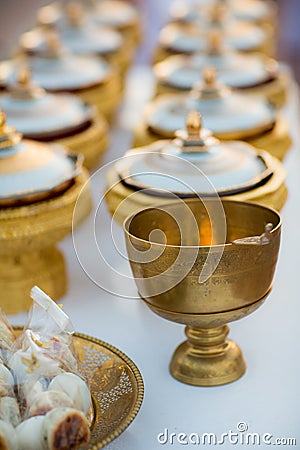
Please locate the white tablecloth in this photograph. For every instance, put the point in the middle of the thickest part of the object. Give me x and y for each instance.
(267, 397)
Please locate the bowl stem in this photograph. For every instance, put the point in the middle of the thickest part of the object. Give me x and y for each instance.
(207, 358)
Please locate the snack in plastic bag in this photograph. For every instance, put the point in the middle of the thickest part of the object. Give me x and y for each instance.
(54, 398)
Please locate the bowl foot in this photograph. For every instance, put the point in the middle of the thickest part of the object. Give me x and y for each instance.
(207, 358)
(19, 273)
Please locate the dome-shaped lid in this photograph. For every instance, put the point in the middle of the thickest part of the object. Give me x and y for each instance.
(55, 69)
(246, 10)
(32, 171)
(251, 10)
(191, 38)
(78, 33)
(194, 163)
(114, 13)
(237, 70)
(227, 114)
(40, 115)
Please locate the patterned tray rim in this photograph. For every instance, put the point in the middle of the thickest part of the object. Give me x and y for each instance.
(139, 384)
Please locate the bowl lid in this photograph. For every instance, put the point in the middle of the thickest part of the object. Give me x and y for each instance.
(191, 38)
(31, 171)
(237, 70)
(113, 13)
(250, 10)
(54, 68)
(194, 163)
(40, 115)
(226, 113)
(90, 39)
(247, 10)
(78, 33)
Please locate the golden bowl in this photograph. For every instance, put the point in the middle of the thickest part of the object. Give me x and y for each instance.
(203, 263)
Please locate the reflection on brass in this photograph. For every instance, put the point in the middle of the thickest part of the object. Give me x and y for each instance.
(116, 386)
(237, 287)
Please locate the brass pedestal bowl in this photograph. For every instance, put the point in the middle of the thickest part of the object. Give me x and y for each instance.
(55, 118)
(204, 263)
(40, 185)
(28, 238)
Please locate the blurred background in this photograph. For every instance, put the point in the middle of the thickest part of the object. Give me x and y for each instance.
(18, 16)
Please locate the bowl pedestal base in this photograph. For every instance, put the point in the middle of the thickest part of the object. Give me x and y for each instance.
(207, 358)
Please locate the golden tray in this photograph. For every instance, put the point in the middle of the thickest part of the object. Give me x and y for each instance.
(116, 386)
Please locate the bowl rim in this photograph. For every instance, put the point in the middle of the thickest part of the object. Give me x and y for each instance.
(128, 235)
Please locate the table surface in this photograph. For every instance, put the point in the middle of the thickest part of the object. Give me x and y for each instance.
(266, 398)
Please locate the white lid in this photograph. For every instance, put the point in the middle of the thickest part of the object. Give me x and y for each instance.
(32, 111)
(57, 70)
(237, 70)
(29, 169)
(184, 166)
(114, 13)
(225, 113)
(190, 38)
(246, 10)
(87, 39)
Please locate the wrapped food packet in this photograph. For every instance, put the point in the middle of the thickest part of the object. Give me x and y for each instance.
(9, 408)
(55, 398)
(7, 338)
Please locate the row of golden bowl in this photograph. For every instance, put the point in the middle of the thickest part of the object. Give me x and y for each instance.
(77, 51)
(198, 257)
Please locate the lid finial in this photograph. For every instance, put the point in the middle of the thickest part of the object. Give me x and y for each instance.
(217, 14)
(210, 77)
(53, 44)
(210, 88)
(8, 135)
(25, 89)
(214, 42)
(24, 76)
(194, 138)
(74, 12)
(193, 125)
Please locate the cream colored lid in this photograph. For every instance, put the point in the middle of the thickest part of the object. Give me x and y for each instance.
(194, 163)
(29, 169)
(54, 68)
(78, 32)
(191, 38)
(89, 39)
(32, 111)
(226, 113)
(246, 10)
(237, 70)
(114, 13)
